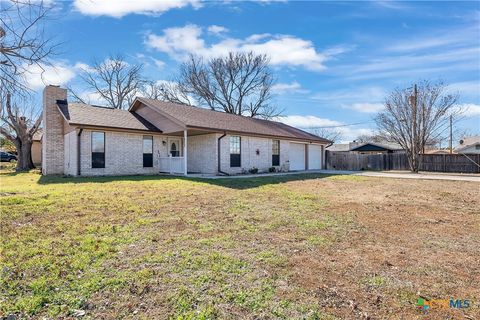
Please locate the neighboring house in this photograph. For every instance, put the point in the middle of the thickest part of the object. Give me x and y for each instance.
(367, 148)
(339, 147)
(437, 151)
(37, 148)
(155, 136)
(469, 145)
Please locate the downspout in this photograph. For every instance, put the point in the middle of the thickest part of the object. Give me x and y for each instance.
(219, 154)
(328, 145)
(79, 171)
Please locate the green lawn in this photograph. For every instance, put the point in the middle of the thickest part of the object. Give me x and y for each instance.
(304, 246)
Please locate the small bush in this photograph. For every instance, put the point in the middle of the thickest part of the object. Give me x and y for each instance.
(272, 169)
(253, 170)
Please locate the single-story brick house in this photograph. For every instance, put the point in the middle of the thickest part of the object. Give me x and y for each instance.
(160, 137)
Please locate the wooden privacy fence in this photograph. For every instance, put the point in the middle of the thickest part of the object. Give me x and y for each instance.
(398, 161)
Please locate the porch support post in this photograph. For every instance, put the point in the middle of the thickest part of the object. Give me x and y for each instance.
(185, 152)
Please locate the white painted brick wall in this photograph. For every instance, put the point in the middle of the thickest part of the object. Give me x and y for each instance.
(70, 147)
(123, 154)
(249, 156)
(202, 153)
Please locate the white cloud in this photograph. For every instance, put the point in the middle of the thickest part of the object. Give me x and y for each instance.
(348, 134)
(148, 60)
(306, 122)
(286, 50)
(83, 67)
(365, 107)
(353, 95)
(470, 109)
(435, 53)
(178, 41)
(58, 73)
(437, 39)
(92, 97)
(309, 123)
(466, 89)
(269, 1)
(120, 8)
(283, 88)
(413, 63)
(159, 63)
(390, 4)
(217, 29)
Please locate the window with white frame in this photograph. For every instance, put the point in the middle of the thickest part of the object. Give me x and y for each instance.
(98, 149)
(147, 151)
(235, 151)
(275, 152)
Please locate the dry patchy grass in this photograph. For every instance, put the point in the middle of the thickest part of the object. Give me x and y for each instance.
(306, 246)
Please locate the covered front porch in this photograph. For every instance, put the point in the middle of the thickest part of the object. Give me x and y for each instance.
(188, 151)
(175, 162)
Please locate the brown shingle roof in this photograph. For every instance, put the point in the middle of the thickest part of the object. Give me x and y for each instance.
(204, 118)
(87, 115)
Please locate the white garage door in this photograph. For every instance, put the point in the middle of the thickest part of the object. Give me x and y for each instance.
(297, 156)
(314, 157)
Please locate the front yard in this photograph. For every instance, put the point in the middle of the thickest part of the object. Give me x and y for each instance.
(305, 246)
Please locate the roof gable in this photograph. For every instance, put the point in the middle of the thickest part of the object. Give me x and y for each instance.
(87, 115)
(370, 147)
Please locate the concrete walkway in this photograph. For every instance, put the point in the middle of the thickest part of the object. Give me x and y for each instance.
(397, 175)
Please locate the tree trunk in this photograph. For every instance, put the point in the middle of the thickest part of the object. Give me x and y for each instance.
(24, 150)
(413, 162)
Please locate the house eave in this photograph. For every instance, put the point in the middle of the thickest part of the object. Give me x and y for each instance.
(254, 134)
(108, 128)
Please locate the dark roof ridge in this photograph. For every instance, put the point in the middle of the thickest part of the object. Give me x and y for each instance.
(212, 110)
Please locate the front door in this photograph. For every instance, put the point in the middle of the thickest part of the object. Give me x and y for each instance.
(174, 147)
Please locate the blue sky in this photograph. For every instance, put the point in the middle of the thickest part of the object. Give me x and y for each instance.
(334, 61)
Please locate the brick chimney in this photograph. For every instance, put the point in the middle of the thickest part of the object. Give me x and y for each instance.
(52, 141)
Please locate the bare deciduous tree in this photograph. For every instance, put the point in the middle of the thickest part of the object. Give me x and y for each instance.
(18, 127)
(373, 138)
(168, 91)
(331, 134)
(114, 80)
(23, 44)
(23, 41)
(417, 115)
(238, 83)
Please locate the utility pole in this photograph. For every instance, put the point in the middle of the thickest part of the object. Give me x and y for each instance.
(451, 135)
(414, 125)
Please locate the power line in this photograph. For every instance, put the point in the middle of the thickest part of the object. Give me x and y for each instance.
(342, 125)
